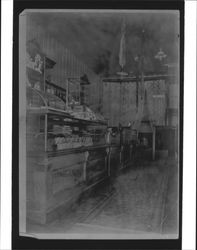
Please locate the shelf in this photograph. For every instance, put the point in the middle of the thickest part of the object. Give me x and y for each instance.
(75, 150)
(71, 150)
(48, 110)
(59, 112)
(89, 121)
(45, 108)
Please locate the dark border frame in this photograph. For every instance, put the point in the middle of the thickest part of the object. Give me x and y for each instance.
(19, 242)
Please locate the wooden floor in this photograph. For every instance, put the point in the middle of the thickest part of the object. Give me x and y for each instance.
(141, 202)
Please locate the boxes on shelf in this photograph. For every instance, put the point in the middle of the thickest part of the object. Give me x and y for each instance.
(57, 129)
(72, 142)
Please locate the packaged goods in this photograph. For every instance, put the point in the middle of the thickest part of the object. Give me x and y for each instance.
(78, 108)
(57, 129)
(74, 141)
(85, 113)
(66, 130)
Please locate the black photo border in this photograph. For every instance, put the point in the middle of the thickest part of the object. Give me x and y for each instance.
(20, 242)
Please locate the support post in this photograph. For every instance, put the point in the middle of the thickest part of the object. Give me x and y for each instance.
(153, 143)
(108, 160)
(137, 90)
(44, 73)
(85, 166)
(45, 133)
(67, 89)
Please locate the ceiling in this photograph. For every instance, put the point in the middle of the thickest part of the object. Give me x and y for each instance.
(94, 38)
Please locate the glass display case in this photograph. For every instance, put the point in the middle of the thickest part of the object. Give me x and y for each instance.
(66, 155)
(39, 99)
(54, 126)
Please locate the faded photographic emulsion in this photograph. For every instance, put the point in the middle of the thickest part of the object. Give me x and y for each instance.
(99, 122)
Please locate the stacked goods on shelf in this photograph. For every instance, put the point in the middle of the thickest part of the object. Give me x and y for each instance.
(57, 129)
(78, 111)
(63, 138)
(72, 142)
(66, 129)
(83, 112)
(90, 115)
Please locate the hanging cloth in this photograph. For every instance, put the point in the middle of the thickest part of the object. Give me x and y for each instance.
(122, 52)
(143, 110)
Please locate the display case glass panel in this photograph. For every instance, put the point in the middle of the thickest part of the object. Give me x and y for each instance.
(37, 98)
(69, 134)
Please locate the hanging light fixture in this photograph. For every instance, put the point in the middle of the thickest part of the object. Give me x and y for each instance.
(160, 55)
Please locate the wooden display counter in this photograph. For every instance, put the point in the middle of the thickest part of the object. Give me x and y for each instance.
(65, 157)
(55, 182)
